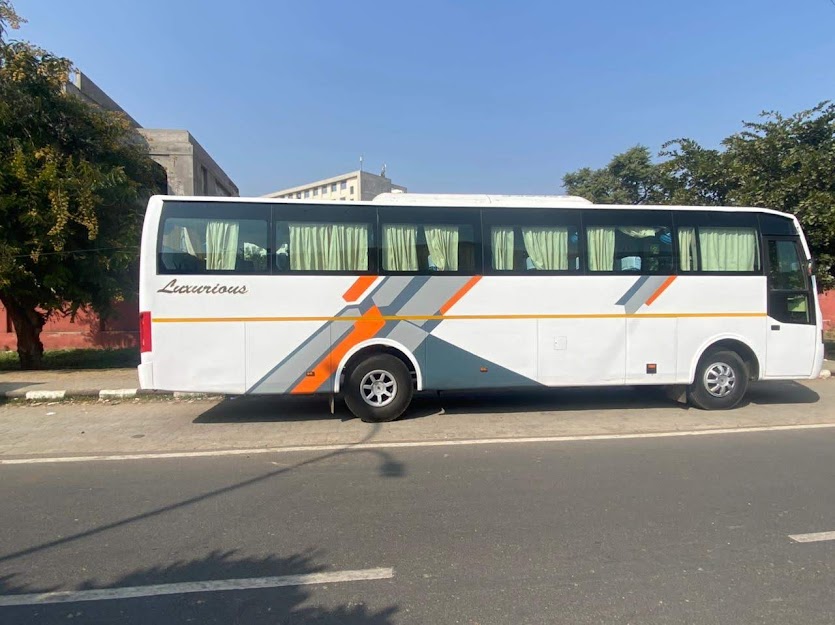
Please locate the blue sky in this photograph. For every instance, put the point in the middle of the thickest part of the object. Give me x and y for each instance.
(472, 96)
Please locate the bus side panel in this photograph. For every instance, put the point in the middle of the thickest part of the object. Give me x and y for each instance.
(199, 357)
(280, 353)
(481, 353)
(651, 350)
(305, 323)
(711, 309)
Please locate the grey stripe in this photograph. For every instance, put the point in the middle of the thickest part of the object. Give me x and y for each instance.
(389, 290)
(408, 334)
(431, 296)
(631, 291)
(408, 286)
(287, 373)
(649, 286)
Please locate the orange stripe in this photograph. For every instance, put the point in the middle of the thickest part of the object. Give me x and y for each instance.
(660, 290)
(364, 328)
(461, 293)
(358, 288)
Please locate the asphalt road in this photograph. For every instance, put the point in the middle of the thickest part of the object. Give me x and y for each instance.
(662, 530)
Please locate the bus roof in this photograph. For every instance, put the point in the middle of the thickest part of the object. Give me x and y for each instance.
(429, 200)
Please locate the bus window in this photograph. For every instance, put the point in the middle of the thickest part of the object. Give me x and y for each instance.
(534, 248)
(428, 248)
(634, 248)
(320, 246)
(729, 249)
(191, 245)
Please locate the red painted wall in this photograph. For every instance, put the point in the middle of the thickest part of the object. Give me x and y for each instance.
(828, 309)
(121, 330)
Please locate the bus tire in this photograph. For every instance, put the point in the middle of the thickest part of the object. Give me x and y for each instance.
(721, 381)
(378, 388)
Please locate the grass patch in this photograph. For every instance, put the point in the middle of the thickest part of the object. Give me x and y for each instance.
(58, 359)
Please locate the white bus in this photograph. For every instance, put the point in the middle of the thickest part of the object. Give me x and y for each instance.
(377, 300)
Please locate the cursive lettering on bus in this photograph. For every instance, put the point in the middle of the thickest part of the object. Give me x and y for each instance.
(203, 289)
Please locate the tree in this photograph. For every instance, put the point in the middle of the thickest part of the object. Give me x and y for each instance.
(629, 178)
(73, 182)
(8, 18)
(788, 163)
(784, 163)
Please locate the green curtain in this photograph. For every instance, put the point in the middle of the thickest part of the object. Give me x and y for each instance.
(442, 242)
(328, 247)
(547, 247)
(502, 242)
(400, 247)
(221, 245)
(728, 249)
(687, 249)
(349, 247)
(601, 244)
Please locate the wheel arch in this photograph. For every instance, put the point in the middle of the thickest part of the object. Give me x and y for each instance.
(379, 346)
(734, 343)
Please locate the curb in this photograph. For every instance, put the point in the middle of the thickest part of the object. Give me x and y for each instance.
(117, 393)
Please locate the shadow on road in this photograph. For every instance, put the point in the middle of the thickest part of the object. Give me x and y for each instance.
(9, 387)
(780, 392)
(272, 408)
(388, 467)
(277, 409)
(291, 604)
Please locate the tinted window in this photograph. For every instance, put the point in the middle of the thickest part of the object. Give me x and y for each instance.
(776, 225)
(531, 240)
(429, 241)
(636, 241)
(786, 269)
(202, 237)
(718, 241)
(718, 249)
(324, 239)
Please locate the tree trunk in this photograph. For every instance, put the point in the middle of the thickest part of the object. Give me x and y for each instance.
(28, 324)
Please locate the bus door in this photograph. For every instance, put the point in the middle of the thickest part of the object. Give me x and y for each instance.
(792, 333)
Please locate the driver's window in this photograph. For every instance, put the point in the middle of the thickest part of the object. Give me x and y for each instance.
(786, 267)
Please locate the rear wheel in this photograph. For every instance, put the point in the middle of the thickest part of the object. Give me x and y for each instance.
(721, 381)
(378, 388)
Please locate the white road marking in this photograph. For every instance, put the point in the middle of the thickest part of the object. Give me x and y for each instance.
(45, 394)
(117, 393)
(814, 537)
(400, 445)
(132, 592)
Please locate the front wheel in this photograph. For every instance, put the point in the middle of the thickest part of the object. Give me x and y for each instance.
(721, 381)
(378, 388)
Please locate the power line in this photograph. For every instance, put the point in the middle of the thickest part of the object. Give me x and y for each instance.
(92, 249)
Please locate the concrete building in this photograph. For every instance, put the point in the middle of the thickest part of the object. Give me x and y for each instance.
(351, 187)
(188, 167)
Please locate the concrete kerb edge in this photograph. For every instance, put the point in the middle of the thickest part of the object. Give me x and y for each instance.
(102, 394)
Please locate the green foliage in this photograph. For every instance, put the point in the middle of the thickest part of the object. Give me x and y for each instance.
(784, 163)
(8, 18)
(58, 359)
(73, 182)
(630, 178)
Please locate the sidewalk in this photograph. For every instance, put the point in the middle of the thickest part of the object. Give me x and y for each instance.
(69, 383)
(102, 383)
